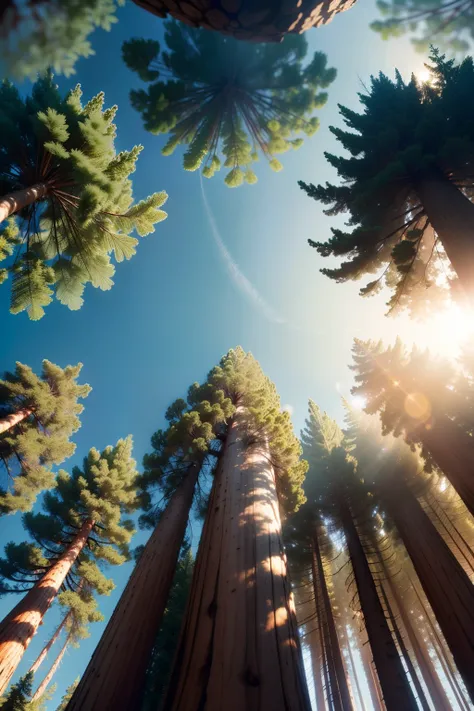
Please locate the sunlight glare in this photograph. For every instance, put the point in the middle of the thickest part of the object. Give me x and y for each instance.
(358, 402)
(449, 330)
(423, 76)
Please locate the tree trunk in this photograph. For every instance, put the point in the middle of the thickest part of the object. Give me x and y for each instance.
(42, 655)
(340, 690)
(395, 686)
(115, 675)
(14, 202)
(239, 647)
(371, 677)
(451, 214)
(354, 675)
(44, 684)
(446, 585)
(445, 527)
(6, 423)
(316, 643)
(20, 625)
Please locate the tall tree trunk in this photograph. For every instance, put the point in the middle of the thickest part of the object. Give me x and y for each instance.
(372, 679)
(340, 689)
(347, 643)
(446, 524)
(14, 202)
(44, 684)
(446, 585)
(395, 686)
(451, 214)
(6, 423)
(42, 655)
(316, 645)
(239, 647)
(20, 625)
(115, 675)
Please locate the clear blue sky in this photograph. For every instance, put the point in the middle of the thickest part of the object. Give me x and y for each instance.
(176, 308)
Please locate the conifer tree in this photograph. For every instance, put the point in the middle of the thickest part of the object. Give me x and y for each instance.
(228, 101)
(71, 193)
(19, 696)
(407, 187)
(38, 414)
(67, 696)
(82, 528)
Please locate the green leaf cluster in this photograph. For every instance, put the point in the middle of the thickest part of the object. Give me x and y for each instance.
(227, 101)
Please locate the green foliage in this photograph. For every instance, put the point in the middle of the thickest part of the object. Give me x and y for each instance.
(66, 239)
(103, 490)
(68, 695)
(81, 607)
(216, 95)
(18, 697)
(54, 35)
(42, 439)
(406, 133)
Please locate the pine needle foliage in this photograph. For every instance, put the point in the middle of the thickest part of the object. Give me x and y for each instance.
(18, 697)
(68, 695)
(102, 491)
(406, 133)
(225, 100)
(87, 215)
(29, 449)
(55, 34)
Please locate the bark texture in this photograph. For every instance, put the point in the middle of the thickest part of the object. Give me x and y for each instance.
(20, 625)
(42, 655)
(372, 679)
(115, 675)
(239, 648)
(6, 423)
(47, 679)
(14, 202)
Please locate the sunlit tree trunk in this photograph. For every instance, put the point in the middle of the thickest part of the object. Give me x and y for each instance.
(20, 625)
(239, 648)
(42, 655)
(14, 202)
(6, 423)
(463, 553)
(46, 681)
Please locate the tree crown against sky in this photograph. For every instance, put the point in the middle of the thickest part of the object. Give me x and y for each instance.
(42, 438)
(103, 490)
(66, 239)
(406, 133)
(449, 22)
(228, 102)
(54, 35)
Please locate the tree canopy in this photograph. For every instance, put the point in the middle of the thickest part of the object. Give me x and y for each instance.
(65, 239)
(227, 101)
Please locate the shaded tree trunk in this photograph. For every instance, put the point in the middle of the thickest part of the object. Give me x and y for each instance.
(239, 647)
(396, 689)
(360, 696)
(445, 526)
(45, 683)
(20, 625)
(42, 655)
(446, 585)
(317, 653)
(372, 680)
(115, 675)
(6, 423)
(14, 202)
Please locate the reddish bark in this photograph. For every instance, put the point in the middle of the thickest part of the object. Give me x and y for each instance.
(372, 679)
(14, 202)
(20, 625)
(44, 684)
(6, 423)
(115, 674)
(239, 647)
(42, 655)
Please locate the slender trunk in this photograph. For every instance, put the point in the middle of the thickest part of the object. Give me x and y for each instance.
(445, 527)
(446, 585)
(327, 681)
(44, 684)
(14, 202)
(332, 695)
(395, 686)
(352, 665)
(42, 655)
(115, 675)
(341, 696)
(316, 645)
(6, 423)
(451, 214)
(239, 647)
(20, 625)
(372, 679)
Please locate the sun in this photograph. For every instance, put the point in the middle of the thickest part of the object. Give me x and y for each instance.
(448, 331)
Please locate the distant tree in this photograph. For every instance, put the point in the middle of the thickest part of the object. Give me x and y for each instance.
(70, 190)
(67, 696)
(448, 22)
(82, 528)
(407, 186)
(42, 33)
(38, 415)
(19, 695)
(224, 99)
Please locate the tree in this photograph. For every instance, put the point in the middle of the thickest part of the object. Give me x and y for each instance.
(239, 646)
(451, 22)
(70, 190)
(219, 97)
(82, 528)
(67, 696)
(406, 186)
(19, 695)
(265, 23)
(38, 415)
(54, 35)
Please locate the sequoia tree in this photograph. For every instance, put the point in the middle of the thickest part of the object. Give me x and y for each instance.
(70, 190)
(82, 528)
(38, 415)
(226, 100)
(406, 186)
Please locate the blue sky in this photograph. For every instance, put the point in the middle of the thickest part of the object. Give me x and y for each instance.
(238, 271)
